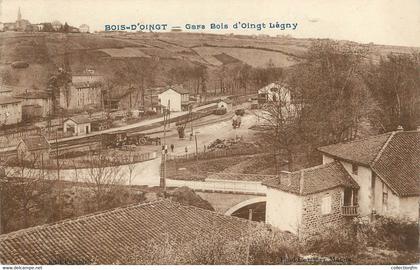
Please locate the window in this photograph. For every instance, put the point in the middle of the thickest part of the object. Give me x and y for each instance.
(326, 205)
(354, 169)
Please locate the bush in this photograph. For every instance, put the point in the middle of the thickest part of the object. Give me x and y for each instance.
(387, 232)
(332, 241)
(383, 232)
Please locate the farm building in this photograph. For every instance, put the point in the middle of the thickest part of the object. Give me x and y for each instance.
(34, 148)
(77, 125)
(316, 197)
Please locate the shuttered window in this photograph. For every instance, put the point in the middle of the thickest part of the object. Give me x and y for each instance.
(326, 205)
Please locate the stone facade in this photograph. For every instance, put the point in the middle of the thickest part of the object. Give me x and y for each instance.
(313, 220)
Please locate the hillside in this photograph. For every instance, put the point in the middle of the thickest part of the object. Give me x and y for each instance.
(111, 52)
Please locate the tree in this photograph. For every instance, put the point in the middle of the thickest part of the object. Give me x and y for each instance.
(330, 86)
(24, 194)
(395, 87)
(105, 179)
(282, 118)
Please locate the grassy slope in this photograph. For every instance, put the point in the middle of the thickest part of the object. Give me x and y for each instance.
(45, 52)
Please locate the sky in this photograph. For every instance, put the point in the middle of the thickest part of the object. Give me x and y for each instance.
(390, 22)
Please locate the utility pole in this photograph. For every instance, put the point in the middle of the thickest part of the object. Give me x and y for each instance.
(60, 200)
(196, 153)
(166, 114)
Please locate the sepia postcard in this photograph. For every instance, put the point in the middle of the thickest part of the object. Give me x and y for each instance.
(168, 133)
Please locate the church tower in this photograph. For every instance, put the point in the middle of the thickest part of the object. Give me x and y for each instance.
(19, 16)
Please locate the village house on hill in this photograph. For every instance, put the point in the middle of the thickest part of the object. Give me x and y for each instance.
(119, 234)
(375, 175)
(84, 28)
(34, 149)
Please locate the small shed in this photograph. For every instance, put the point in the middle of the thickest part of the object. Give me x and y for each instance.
(77, 125)
(34, 148)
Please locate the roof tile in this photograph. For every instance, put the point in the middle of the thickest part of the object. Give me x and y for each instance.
(104, 237)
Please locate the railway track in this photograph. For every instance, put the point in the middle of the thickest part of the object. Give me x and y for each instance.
(73, 143)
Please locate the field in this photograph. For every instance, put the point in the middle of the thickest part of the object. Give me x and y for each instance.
(124, 52)
(252, 57)
(108, 52)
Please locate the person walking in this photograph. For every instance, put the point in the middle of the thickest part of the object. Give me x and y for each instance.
(172, 147)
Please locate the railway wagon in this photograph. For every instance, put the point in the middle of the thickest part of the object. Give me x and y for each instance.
(114, 139)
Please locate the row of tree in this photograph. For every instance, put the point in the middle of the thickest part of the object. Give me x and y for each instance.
(334, 90)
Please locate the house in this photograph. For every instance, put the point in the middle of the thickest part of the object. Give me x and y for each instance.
(387, 169)
(56, 25)
(84, 91)
(84, 28)
(10, 110)
(35, 104)
(77, 125)
(273, 93)
(306, 201)
(178, 97)
(34, 148)
(10, 26)
(116, 235)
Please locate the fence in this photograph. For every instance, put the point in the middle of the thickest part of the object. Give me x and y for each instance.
(215, 154)
(83, 163)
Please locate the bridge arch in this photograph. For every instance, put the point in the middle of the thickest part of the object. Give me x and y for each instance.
(240, 205)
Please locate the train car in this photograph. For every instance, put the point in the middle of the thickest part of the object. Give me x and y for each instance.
(114, 139)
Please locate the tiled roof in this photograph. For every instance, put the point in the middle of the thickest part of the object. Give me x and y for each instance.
(36, 143)
(313, 180)
(394, 157)
(80, 85)
(159, 90)
(362, 151)
(398, 164)
(34, 95)
(80, 119)
(241, 177)
(110, 236)
(8, 100)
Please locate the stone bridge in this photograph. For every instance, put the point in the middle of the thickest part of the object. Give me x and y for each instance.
(230, 194)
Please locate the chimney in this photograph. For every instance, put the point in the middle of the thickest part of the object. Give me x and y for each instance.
(284, 178)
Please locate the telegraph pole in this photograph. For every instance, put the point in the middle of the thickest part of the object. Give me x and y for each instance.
(166, 114)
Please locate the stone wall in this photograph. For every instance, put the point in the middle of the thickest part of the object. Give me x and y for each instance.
(313, 221)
